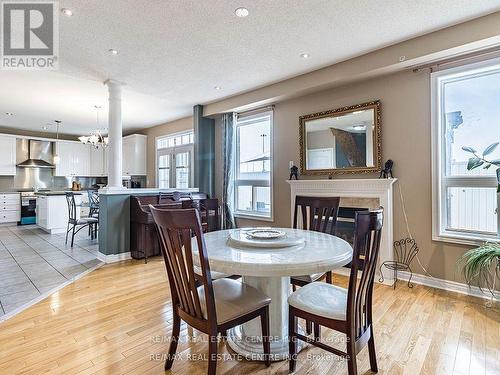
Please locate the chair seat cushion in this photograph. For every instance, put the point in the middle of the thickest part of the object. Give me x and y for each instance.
(215, 275)
(309, 278)
(87, 220)
(233, 299)
(321, 299)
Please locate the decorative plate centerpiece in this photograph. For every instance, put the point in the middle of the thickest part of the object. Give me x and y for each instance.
(265, 237)
(265, 233)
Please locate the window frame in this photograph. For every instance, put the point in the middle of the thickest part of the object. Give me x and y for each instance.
(441, 182)
(172, 151)
(254, 215)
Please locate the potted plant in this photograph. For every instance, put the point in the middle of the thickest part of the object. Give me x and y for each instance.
(481, 265)
(479, 160)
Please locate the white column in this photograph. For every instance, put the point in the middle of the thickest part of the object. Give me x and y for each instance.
(115, 172)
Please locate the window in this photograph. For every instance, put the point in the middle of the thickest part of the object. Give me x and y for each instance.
(253, 164)
(174, 160)
(465, 113)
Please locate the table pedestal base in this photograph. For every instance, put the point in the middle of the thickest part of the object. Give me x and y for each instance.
(247, 338)
(251, 346)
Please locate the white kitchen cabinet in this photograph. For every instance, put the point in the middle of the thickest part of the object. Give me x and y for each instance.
(98, 162)
(52, 212)
(81, 155)
(74, 159)
(134, 155)
(7, 156)
(10, 208)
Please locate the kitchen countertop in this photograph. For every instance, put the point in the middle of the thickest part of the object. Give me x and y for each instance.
(56, 193)
(131, 191)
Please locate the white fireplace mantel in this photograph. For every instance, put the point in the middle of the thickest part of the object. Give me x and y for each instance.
(380, 189)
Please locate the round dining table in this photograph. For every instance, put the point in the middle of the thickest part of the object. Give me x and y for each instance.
(269, 269)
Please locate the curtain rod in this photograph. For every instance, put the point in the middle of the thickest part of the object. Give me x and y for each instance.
(255, 110)
(493, 52)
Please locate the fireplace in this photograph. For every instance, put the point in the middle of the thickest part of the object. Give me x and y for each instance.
(355, 194)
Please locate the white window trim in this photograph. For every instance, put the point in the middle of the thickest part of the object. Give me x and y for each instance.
(254, 215)
(440, 183)
(175, 149)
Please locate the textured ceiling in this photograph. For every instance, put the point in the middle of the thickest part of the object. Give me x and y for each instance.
(173, 53)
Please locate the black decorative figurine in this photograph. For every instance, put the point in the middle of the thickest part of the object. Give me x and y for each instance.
(294, 172)
(387, 171)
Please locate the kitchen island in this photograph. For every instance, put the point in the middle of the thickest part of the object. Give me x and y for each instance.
(52, 210)
(114, 220)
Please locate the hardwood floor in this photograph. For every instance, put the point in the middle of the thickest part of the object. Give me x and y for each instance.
(117, 320)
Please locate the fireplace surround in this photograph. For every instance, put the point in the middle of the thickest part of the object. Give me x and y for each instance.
(355, 193)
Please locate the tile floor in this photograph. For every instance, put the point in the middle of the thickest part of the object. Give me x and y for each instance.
(33, 262)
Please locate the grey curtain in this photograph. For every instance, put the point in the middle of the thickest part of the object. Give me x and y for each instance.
(228, 149)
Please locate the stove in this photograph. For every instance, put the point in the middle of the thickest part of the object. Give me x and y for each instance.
(28, 207)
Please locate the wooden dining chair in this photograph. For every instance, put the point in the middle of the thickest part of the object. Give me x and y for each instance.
(345, 310)
(322, 212)
(215, 306)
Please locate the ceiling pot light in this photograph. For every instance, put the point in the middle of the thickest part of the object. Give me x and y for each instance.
(113, 51)
(304, 55)
(67, 12)
(218, 88)
(9, 113)
(241, 12)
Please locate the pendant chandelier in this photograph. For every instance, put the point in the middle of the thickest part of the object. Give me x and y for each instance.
(95, 139)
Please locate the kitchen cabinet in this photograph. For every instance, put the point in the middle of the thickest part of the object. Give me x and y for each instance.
(81, 155)
(134, 155)
(10, 208)
(77, 159)
(98, 162)
(74, 159)
(7, 156)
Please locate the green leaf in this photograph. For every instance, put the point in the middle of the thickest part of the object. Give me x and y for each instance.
(495, 162)
(474, 163)
(487, 166)
(490, 148)
(469, 149)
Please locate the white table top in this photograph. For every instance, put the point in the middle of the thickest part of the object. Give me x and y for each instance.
(320, 252)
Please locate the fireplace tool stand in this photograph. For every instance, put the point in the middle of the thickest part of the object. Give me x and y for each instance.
(404, 252)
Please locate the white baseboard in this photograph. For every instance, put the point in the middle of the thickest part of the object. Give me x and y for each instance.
(451, 286)
(113, 258)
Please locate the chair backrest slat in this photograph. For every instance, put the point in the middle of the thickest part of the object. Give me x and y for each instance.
(177, 228)
(323, 212)
(210, 212)
(367, 236)
(70, 198)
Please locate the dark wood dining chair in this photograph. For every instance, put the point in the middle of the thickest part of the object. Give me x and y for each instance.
(75, 224)
(215, 306)
(318, 214)
(344, 310)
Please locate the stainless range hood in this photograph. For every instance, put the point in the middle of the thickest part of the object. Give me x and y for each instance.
(39, 154)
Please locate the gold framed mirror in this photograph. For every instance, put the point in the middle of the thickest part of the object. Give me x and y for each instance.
(343, 140)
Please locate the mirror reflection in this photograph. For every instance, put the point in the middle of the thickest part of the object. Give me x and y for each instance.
(343, 140)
